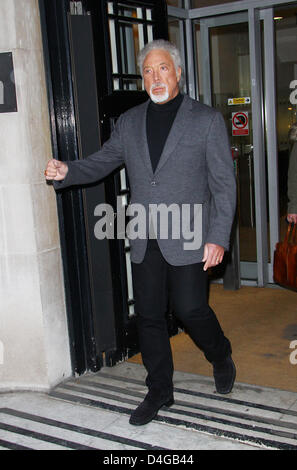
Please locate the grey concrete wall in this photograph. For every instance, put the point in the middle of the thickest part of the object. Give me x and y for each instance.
(34, 343)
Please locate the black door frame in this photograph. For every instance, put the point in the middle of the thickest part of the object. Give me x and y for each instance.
(57, 57)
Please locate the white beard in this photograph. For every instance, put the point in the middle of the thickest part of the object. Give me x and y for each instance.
(161, 97)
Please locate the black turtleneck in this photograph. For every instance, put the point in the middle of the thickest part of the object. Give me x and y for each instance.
(160, 118)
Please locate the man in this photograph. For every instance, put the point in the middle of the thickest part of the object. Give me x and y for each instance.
(176, 151)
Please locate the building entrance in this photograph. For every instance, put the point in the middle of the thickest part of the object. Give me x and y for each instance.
(231, 63)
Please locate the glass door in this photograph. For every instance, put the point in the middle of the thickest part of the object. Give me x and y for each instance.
(225, 83)
(230, 70)
(285, 21)
(241, 58)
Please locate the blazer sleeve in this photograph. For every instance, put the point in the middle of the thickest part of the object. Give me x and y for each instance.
(221, 183)
(97, 165)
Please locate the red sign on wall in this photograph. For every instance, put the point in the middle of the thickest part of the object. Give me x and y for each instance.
(240, 123)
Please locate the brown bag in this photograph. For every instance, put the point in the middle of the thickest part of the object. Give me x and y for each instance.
(285, 259)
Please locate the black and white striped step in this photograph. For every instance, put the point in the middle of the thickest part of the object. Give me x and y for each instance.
(246, 421)
(92, 412)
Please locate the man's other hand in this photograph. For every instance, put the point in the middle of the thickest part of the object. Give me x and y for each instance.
(56, 170)
(213, 255)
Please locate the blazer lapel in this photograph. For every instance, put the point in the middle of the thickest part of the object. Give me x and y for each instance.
(174, 136)
(142, 139)
(176, 131)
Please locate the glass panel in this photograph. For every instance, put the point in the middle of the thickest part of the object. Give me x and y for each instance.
(286, 74)
(129, 40)
(265, 144)
(124, 204)
(149, 27)
(132, 84)
(110, 8)
(140, 30)
(113, 46)
(174, 32)
(116, 84)
(150, 33)
(125, 10)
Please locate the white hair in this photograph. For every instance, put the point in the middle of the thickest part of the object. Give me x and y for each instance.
(166, 46)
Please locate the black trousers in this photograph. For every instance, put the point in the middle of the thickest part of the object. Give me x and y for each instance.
(154, 280)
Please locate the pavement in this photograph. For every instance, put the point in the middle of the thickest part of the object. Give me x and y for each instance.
(91, 412)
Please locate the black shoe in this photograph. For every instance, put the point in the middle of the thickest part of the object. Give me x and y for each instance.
(224, 373)
(148, 409)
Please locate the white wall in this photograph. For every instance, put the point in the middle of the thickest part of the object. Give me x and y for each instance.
(34, 343)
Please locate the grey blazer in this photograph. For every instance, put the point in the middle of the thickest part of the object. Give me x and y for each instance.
(195, 168)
